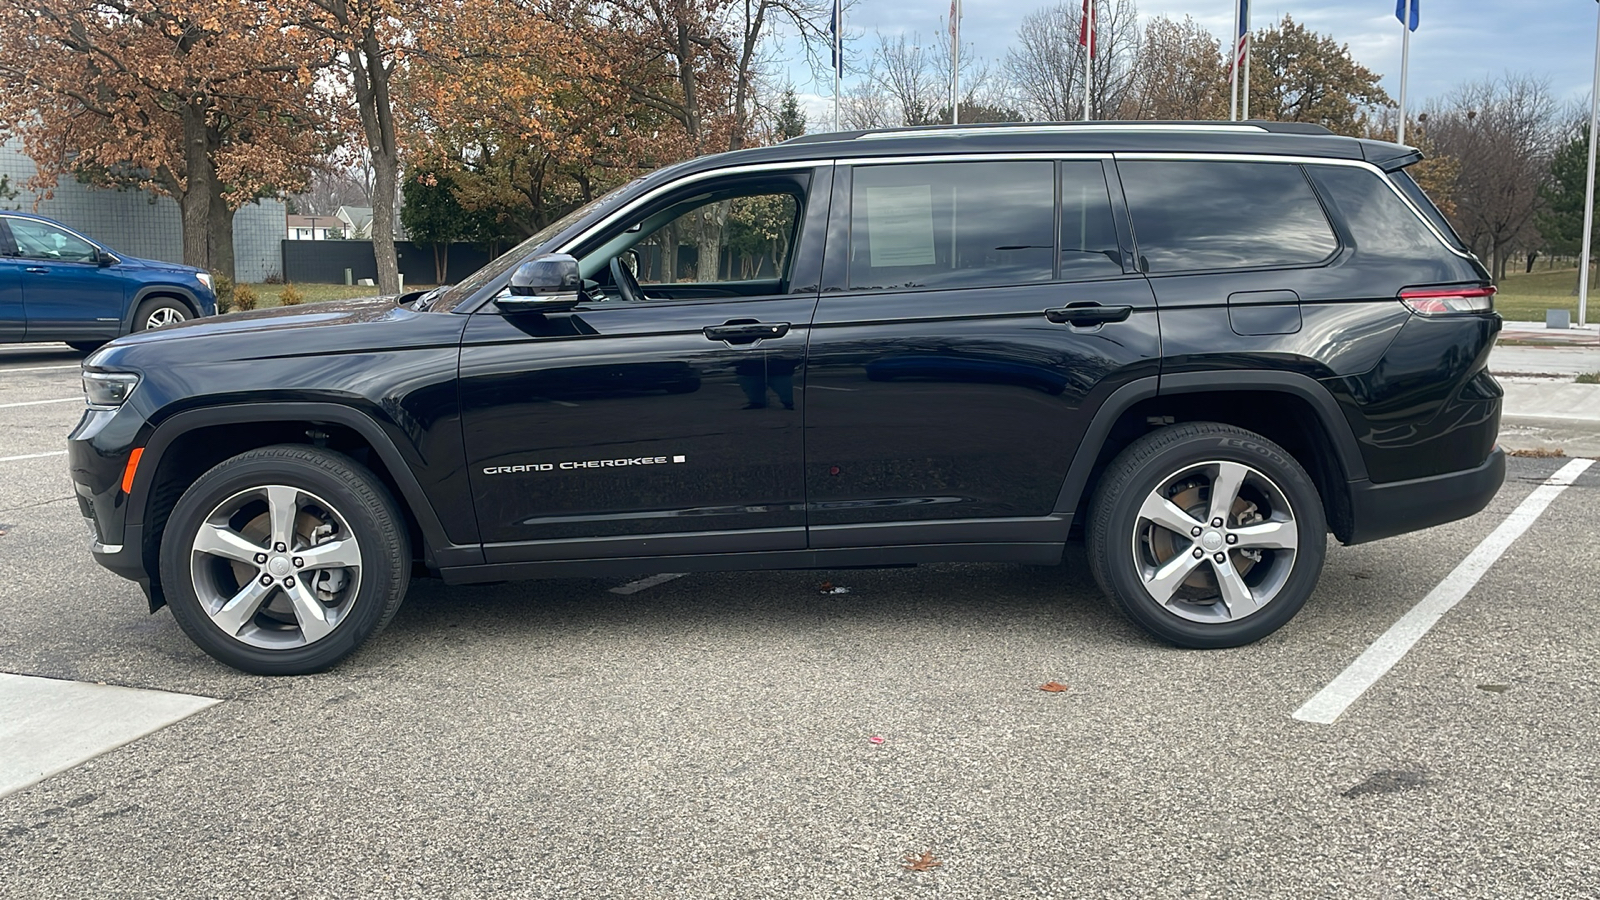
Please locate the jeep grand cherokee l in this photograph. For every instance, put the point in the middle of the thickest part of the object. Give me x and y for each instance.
(1203, 347)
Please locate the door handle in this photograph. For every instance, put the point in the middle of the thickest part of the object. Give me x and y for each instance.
(37, 270)
(1086, 314)
(746, 332)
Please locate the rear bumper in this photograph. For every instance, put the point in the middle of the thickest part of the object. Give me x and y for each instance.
(1397, 507)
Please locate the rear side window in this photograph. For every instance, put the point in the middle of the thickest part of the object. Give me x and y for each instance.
(1379, 221)
(948, 225)
(1417, 195)
(1197, 216)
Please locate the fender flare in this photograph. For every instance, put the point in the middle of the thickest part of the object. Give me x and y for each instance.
(187, 296)
(443, 551)
(1345, 447)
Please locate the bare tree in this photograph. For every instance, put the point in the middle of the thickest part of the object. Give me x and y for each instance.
(1181, 73)
(1045, 67)
(1502, 133)
(865, 104)
(910, 75)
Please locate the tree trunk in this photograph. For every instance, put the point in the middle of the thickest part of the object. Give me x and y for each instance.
(385, 170)
(194, 198)
(371, 80)
(219, 234)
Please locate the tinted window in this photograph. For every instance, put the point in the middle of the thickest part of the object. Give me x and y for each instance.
(726, 239)
(1406, 183)
(1379, 221)
(37, 240)
(935, 225)
(1190, 216)
(1088, 233)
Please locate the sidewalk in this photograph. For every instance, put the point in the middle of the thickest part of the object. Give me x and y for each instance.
(1544, 408)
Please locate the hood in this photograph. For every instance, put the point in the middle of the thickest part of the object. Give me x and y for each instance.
(136, 262)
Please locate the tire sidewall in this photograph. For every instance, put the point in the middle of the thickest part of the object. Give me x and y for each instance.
(1118, 569)
(382, 571)
(141, 315)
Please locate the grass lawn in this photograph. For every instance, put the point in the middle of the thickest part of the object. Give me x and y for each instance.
(268, 294)
(1524, 298)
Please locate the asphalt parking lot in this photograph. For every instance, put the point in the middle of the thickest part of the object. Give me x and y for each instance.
(712, 735)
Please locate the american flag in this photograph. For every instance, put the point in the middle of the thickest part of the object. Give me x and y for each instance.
(1244, 33)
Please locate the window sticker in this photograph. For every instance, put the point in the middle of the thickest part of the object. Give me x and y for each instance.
(900, 225)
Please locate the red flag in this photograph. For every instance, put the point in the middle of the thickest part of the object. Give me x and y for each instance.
(1086, 29)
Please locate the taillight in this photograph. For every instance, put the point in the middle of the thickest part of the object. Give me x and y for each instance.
(1448, 301)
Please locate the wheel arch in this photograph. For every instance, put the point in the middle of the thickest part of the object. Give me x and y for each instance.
(181, 294)
(1292, 410)
(190, 442)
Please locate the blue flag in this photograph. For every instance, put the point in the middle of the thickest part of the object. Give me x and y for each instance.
(1400, 12)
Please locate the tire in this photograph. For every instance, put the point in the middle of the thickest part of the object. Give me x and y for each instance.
(159, 312)
(86, 346)
(1272, 539)
(224, 537)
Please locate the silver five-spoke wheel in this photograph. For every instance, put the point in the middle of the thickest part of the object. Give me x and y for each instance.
(162, 316)
(1215, 542)
(276, 567)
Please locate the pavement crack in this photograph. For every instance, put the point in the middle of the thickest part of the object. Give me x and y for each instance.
(40, 503)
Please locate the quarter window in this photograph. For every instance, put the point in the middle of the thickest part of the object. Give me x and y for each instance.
(1194, 216)
(947, 225)
(1089, 246)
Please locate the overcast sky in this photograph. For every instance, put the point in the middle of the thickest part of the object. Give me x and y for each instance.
(1457, 41)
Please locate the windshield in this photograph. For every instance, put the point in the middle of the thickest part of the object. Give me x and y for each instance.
(509, 260)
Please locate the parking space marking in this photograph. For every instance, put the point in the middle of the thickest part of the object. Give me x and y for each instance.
(41, 402)
(634, 587)
(48, 726)
(33, 456)
(40, 368)
(1330, 702)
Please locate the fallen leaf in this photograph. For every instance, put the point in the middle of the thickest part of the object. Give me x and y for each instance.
(1540, 453)
(1054, 687)
(874, 740)
(826, 587)
(921, 863)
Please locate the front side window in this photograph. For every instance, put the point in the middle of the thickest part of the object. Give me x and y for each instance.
(949, 225)
(720, 240)
(1196, 215)
(40, 240)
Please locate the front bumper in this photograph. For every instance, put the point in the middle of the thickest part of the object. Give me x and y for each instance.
(1397, 507)
(97, 456)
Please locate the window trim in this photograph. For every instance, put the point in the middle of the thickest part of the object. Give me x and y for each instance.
(17, 245)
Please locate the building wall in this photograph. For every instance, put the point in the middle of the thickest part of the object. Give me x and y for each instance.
(142, 224)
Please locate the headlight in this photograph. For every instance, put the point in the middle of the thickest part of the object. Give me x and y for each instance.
(205, 279)
(108, 390)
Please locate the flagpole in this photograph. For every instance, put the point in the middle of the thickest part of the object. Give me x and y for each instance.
(1244, 98)
(1233, 68)
(1405, 70)
(838, 57)
(1588, 191)
(1088, 54)
(955, 65)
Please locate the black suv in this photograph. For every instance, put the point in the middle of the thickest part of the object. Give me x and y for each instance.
(1202, 347)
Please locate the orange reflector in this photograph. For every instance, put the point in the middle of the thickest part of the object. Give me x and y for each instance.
(133, 466)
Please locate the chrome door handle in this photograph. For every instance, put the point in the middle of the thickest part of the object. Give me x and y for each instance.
(37, 270)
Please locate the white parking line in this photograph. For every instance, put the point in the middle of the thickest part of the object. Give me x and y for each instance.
(41, 402)
(634, 587)
(40, 369)
(33, 456)
(1387, 650)
(49, 726)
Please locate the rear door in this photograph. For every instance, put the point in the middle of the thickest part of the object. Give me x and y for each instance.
(975, 314)
(69, 295)
(668, 424)
(13, 318)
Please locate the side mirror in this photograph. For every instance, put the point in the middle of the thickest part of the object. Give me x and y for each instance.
(104, 259)
(549, 283)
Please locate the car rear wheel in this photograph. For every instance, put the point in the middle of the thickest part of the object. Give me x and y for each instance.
(159, 312)
(1207, 535)
(285, 560)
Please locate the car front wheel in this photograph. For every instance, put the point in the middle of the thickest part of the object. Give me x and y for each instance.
(284, 560)
(1207, 535)
(159, 312)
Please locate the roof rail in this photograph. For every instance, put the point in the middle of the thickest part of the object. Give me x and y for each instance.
(1253, 125)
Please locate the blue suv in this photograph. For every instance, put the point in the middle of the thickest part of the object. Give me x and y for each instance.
(57, 285)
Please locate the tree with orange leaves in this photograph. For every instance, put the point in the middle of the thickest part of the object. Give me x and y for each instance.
(209, 102)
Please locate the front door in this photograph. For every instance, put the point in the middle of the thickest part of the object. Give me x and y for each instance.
(965, 337)
(69, 295)
(663, 414)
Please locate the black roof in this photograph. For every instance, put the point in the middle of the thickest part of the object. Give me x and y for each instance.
(1276, 138)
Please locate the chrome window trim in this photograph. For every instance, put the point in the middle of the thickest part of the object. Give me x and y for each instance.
(1303, 161)
(676, 183)
(93, 243)
(1020, 156)
(1058, 129)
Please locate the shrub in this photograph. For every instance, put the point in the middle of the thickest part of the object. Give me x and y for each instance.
(1589, 378)
(244, 297)
(291, 296)
(225, 293)
(272, 278)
